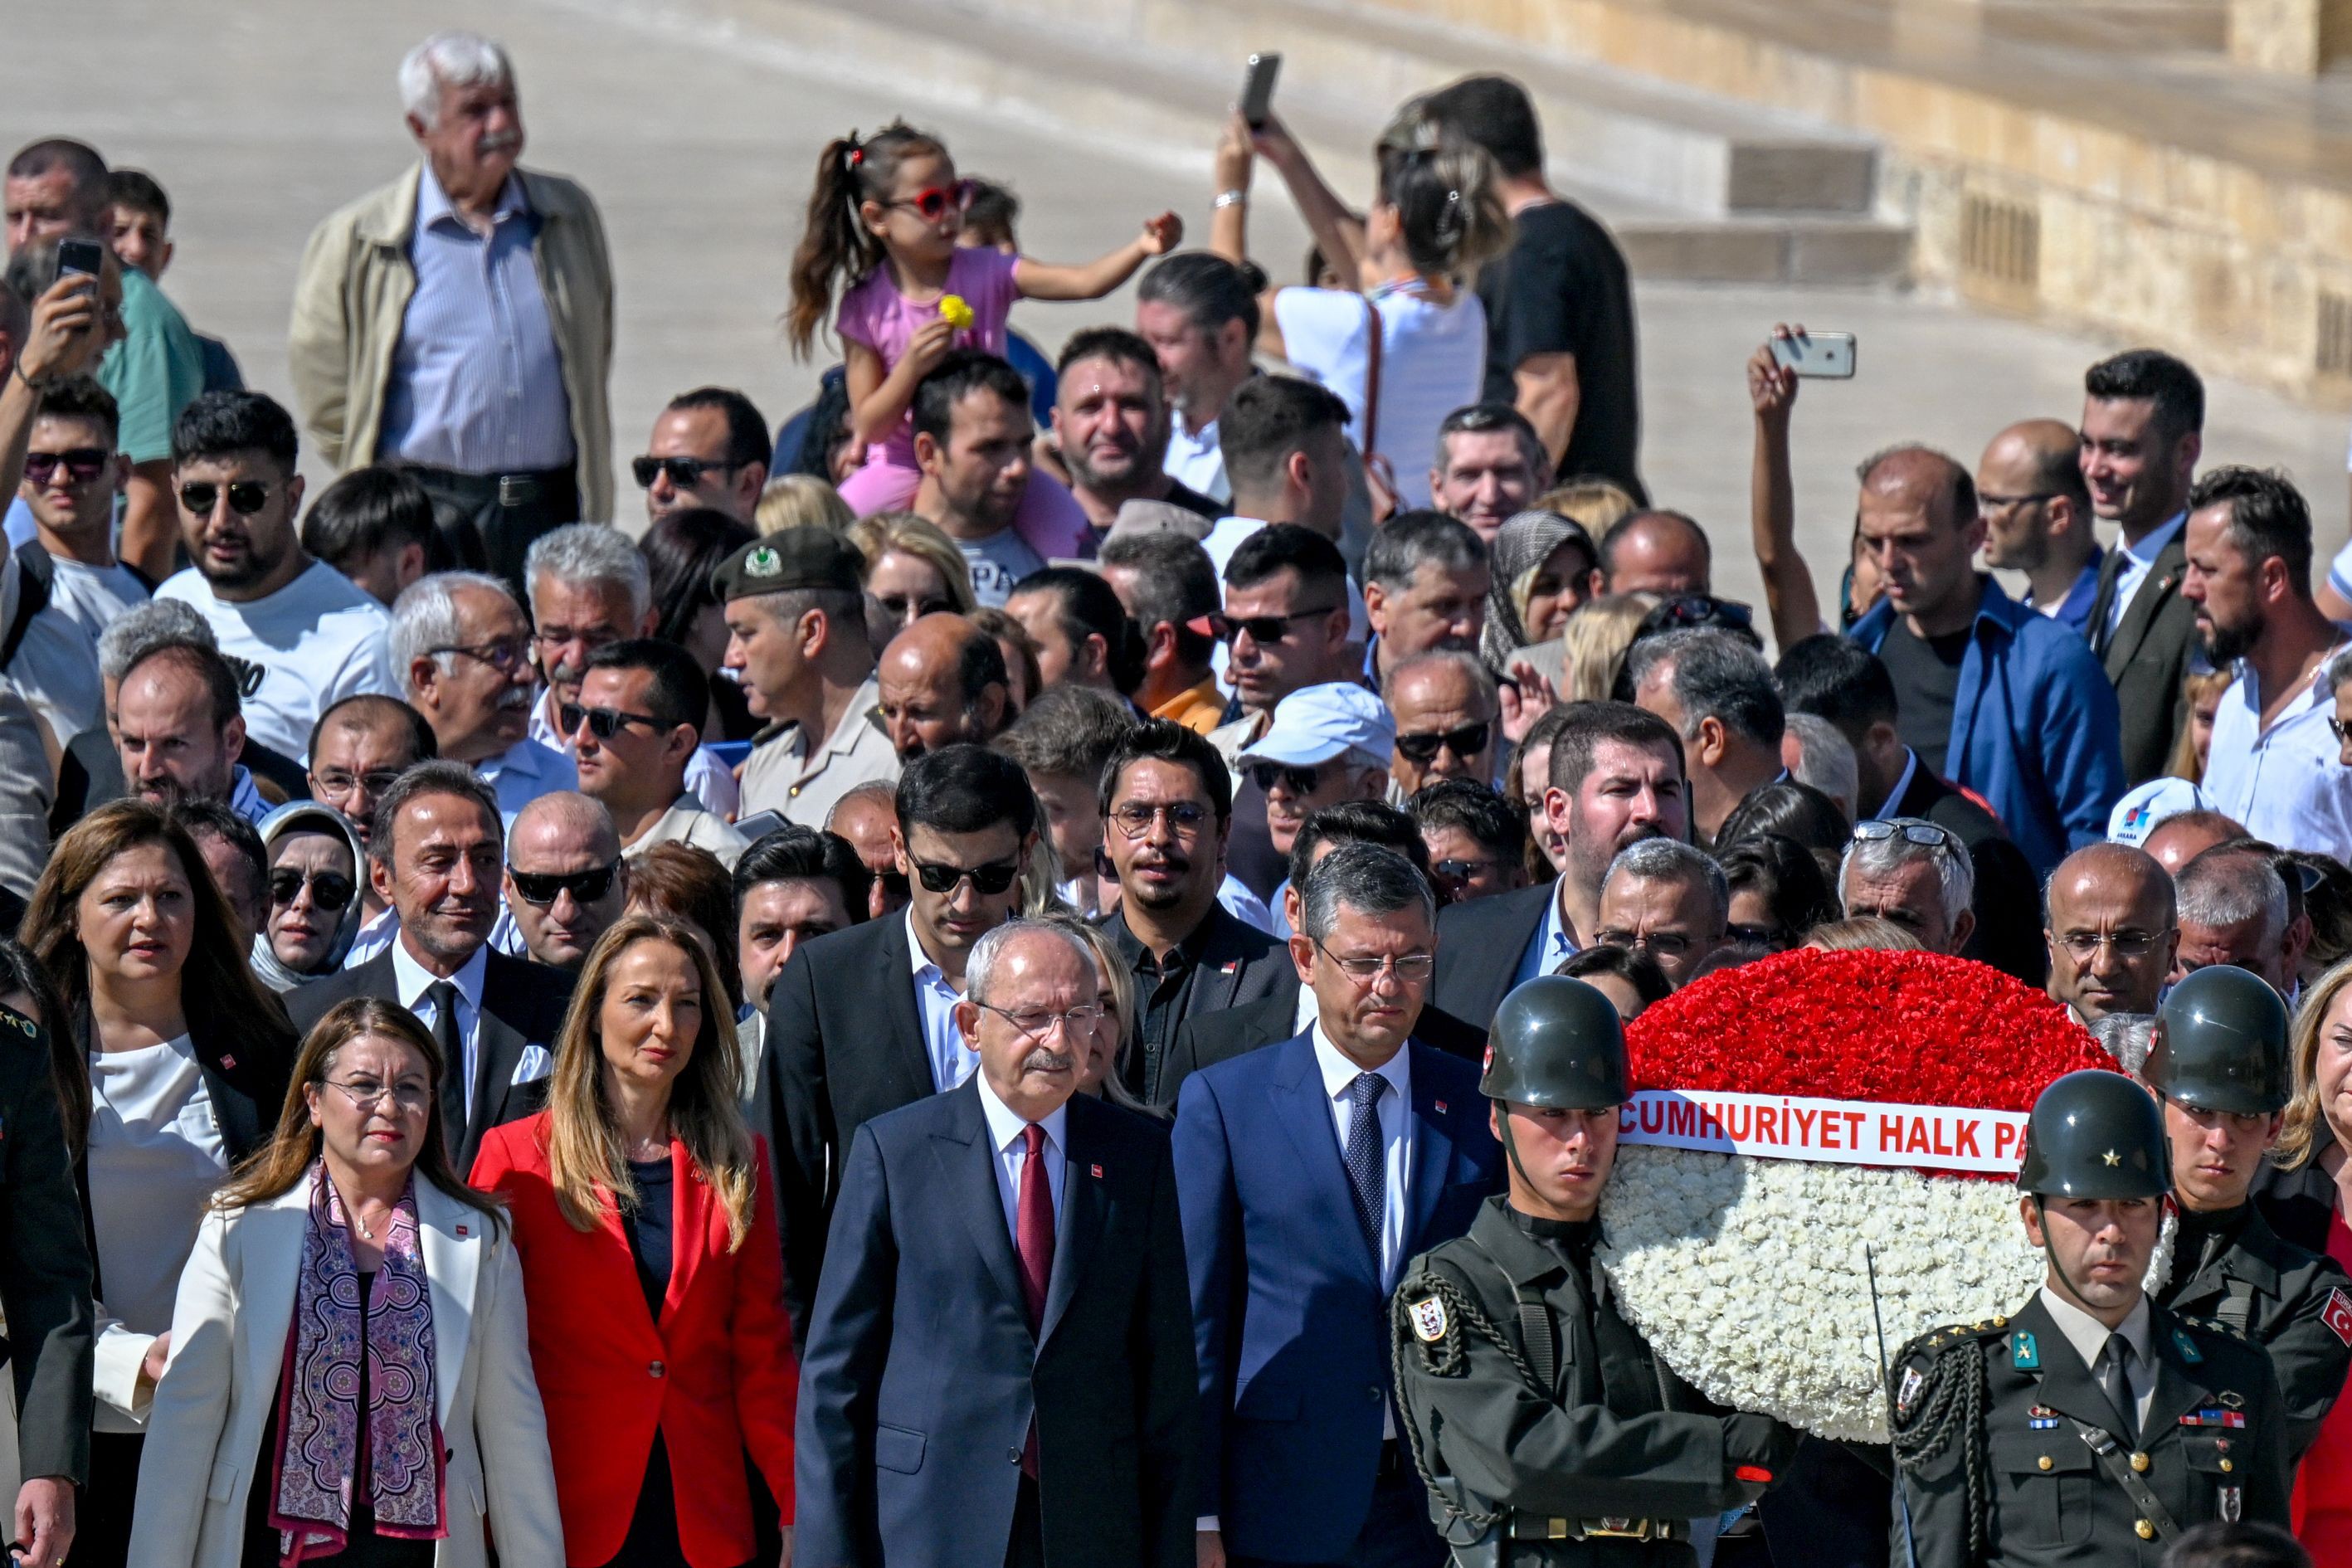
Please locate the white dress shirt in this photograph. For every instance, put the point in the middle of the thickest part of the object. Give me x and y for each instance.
(1551, 946)
(524, 772)
(2089, 1338)
(414, 984)
(952, 1059)
(2134, 563)
(1395, 1112)
(1196, 459)
(2287, 783)
(1005, 1128)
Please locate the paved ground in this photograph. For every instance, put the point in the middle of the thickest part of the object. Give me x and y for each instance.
(261, 117)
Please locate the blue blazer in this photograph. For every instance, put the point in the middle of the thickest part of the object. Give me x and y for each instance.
(922, 1374)
(1290, 1321)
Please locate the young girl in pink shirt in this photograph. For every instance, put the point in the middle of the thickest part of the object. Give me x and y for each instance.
(882, 226)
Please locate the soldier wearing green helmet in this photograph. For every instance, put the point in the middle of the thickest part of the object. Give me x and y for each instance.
(2219, 1064)
(1548, 1431)
(2091, 1425)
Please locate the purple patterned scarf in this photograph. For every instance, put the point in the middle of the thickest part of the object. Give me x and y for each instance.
(320, 1441)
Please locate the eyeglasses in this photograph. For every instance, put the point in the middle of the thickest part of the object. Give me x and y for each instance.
(1224, 628)
(987, 880)
(1464, 743)
(590, 637)
(1185, 819)
(330, 891)
(543, 887)
(1411, 969)
(1294, 780)
(2084, 945)
(246, 497)
(684, 472)
(1036, 1023)
(335, 786)
(933, 201)
(1671, 945)
(83, 463)
(366, 1094)
(1702, 610)
(505, 657)
(603, 722)
(1909, 829)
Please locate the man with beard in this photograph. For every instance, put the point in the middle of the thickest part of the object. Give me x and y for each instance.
(1167, 803)
(179, 728)
(972, 435)
(462, 645)
(1616, 779)
(2274, 763)
(302, 635)
(942, 683)
(1200, 314)
(1111, 423)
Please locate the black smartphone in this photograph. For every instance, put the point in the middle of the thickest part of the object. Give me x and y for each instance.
(1258, 90)
(81, 257)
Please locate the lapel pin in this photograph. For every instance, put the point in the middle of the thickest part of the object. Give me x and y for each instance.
(1230, 965)
(1097, 1171)
(1441, 1107)
(228, 1062)
(461, 1230)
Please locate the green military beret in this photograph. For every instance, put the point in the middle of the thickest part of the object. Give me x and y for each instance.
(788, 562)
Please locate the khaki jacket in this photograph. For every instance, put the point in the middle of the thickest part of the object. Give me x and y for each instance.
(352, 292)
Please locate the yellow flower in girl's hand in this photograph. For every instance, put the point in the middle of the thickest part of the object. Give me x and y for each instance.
(955, 311)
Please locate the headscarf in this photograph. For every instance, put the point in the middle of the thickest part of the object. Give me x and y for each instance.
(1521, 547)
(309, 816)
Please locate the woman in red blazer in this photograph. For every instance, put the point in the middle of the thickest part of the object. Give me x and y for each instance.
(650, 1263)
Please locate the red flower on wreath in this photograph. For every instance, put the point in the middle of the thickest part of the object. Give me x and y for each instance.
(1910, 1027)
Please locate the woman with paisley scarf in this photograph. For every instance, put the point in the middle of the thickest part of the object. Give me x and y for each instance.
(349, 1379)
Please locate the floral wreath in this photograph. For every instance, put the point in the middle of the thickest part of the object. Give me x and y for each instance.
(1802, 1121)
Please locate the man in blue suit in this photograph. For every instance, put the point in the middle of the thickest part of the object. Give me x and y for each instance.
(1000, 1355)
(1311, 1172)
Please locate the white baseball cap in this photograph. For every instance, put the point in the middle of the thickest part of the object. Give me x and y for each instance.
(2141, 810)
(1315, 723)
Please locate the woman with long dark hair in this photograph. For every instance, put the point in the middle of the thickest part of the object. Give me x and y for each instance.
(350, 1346)
(188, 1059)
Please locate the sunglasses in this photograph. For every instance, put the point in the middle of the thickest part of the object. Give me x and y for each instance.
(246, 497)
(935, 202)
(684, 472)
(1464, 743)
(83, 463)
(1224, 628)
(543, 887)
(330, 891)
(1461, 871)
(986, 880)
(907, 607)
(1296, 781)
(603, 722)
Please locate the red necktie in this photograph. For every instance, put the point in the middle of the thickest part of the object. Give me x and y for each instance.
(1033, 1241)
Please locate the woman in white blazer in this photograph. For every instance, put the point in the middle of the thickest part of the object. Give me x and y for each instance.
(349, 1378)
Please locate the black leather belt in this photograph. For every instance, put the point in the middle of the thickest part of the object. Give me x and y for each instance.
(507, 490)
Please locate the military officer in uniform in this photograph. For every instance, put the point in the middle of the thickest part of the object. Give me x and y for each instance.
(2091, 1426)
(2220, 1064)
(1546, 1430)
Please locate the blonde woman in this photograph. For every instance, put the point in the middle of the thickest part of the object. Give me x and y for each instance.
(1596, 503)
(912, 570)
(2202, 691)
(350, 1372)
(801, 500)
(643, 1214)
(1115, 993)
(1594, 643)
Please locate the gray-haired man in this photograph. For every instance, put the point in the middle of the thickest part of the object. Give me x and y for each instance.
(462, 649)
(1666, 899)
(1913, 873)
(2234, 910)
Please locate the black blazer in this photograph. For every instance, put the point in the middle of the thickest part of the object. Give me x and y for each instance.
(1233, 962)
(922, 1375)
(523, 1004)
(1479, 946)
(843, 1043)
(2148, 656)
(45, 1263)
(2005, 882)
(1220, 1037)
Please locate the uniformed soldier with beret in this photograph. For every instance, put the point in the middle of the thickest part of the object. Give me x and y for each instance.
(1546, 1430)
(2091, 1426)
(795, 603)
(2220, 1064)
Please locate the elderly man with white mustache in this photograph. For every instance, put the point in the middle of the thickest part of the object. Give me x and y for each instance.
(462, 647)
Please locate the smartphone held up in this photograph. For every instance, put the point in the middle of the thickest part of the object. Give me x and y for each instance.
(1258, 90)
(1824, 355)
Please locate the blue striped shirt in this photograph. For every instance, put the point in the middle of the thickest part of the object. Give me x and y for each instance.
(477, 382)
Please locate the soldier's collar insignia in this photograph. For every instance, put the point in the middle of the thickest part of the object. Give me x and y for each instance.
(2187, 1347)
(1428, 1320)
(2024, 1353)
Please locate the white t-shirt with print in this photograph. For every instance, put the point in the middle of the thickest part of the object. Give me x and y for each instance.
(316, 641)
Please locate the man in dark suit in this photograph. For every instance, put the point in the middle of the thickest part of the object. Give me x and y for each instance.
(2143, 431)
(435, 856)
(1616, 779)
(863, 1021)
(1311, 1172)
(1838, 680)
(1040, 1403)
(1166, 804)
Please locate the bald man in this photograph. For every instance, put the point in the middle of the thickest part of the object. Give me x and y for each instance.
(2184, 835)
(2037, 514)
(942, 681)
(2110, 922)
(1656, 553)
(2002, 701)
(564, 880)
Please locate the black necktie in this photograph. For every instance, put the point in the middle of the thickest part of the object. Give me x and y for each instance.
(442, 995)
(2112, 1358)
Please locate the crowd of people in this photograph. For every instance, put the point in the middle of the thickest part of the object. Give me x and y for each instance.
(1002, 980)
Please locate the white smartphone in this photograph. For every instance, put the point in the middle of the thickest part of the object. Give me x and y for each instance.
(1828, 355)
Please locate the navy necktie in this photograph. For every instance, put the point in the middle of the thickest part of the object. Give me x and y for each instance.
(1367, 1171)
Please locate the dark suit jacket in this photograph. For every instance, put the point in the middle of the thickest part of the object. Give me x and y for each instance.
(1221, 1036)
(1479, 946)
(2006, 887)
(2148, 657)
(45, 1263)
(922, 1374)
(523, 1004)
(843, 1043)
(1290, 1317)
(1233, 962)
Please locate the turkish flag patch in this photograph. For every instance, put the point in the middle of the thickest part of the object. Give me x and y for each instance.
(2338, 1315)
